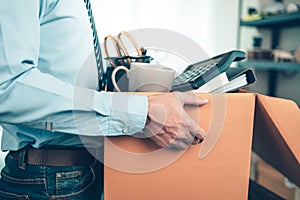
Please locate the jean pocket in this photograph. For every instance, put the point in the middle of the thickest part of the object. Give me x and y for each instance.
(18, 188)
(74, 182)
(11, 196)
(25, 181)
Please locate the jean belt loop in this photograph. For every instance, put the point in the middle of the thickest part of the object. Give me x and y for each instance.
(22, 158)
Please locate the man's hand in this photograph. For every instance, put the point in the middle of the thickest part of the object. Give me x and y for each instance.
(168, 125)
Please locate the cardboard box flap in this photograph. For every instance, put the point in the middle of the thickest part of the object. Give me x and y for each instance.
(286, 118)
(277, 135)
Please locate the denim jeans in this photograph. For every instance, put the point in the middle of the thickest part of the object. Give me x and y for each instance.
(43, 182)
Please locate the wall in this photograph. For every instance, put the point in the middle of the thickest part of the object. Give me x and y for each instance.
(212, 24)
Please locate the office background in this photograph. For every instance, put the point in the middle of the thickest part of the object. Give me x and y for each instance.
(214, 25)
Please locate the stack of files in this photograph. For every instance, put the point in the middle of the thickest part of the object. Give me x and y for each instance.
(229, 81)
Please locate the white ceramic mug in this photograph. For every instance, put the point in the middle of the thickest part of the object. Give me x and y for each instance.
(146, 77)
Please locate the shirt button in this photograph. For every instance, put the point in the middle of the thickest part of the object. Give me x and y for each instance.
(125, 130)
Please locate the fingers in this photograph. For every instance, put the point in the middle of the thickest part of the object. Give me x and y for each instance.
(193, 127)
(159, 141)
(170, 126)
(182, 139)
(196, 130)
(185, 133)
(179, 144)
(163, 139)
(190, 98)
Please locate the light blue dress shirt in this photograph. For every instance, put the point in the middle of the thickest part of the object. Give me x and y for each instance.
(48, 77)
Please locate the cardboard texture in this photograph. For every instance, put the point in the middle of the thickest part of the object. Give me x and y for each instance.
(216, 169)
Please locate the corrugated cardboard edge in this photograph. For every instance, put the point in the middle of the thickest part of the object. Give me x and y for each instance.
(277, 135)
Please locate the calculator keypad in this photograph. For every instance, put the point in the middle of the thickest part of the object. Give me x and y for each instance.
(191, 75)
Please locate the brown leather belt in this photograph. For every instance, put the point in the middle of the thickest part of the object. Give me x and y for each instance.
(55, 157)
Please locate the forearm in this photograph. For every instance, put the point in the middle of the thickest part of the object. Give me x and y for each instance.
(35, 98)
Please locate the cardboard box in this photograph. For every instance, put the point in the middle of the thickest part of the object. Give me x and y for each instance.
(277, 135)
(216, 169)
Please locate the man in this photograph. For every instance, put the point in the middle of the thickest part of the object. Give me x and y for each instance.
(49, 102)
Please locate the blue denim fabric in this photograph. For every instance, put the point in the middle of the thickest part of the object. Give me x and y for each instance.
(56, 183)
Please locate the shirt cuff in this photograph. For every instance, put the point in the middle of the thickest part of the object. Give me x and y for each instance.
(119, 113)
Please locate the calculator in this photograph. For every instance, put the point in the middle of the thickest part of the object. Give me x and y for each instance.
(197, 74)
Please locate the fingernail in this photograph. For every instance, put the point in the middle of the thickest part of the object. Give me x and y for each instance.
(203, 133)
(205, 100)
